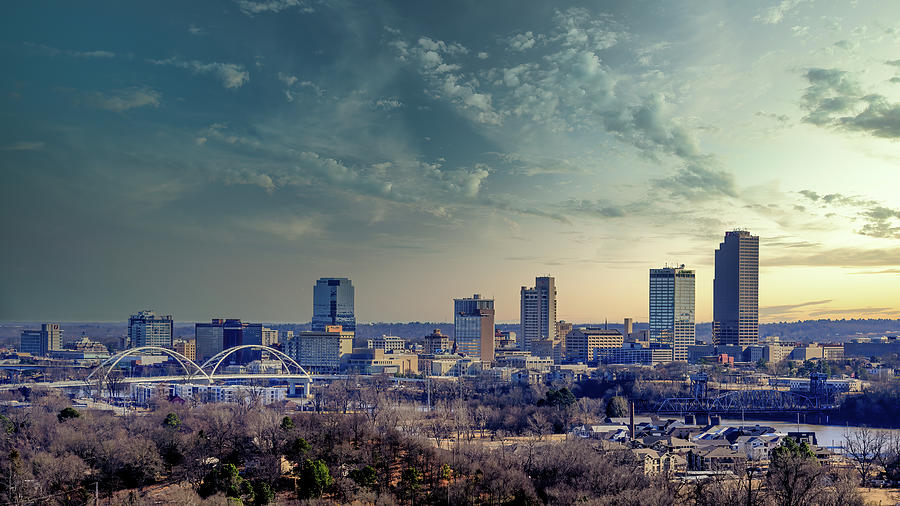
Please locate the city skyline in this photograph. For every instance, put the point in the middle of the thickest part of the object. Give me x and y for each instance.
(435, 150)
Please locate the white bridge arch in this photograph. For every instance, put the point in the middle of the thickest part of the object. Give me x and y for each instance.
(218, 358)
(193, 370)
(114, 360)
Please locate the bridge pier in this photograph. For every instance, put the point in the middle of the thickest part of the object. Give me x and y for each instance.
(305, 385)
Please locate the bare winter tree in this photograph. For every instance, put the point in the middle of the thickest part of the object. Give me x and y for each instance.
(865, 446)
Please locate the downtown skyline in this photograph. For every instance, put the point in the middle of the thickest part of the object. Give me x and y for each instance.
(217, 158)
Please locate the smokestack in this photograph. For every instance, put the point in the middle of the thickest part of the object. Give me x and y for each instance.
(631, 421)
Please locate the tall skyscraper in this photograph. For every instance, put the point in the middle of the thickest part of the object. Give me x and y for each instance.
(736, 290)
(538, 312)
(672, 310)
(333, 304)
(473, 319)
(40, 342)
(148, 329)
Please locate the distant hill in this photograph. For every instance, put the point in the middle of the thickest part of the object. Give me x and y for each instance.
(805, 331)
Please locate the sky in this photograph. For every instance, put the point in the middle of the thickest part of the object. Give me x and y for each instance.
(213, 159)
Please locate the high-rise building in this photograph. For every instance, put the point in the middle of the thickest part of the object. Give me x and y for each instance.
(221, 334)
(148, 329)
(41, 342)
(473, 320)
(320, 352)
(736, 290)
(209, 338)
(333, 304)
(583, 344)
(269, 336)
(671, 310)
(538, 312)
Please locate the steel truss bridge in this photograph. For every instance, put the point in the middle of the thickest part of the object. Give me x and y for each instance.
(745, 402)
(207, 372)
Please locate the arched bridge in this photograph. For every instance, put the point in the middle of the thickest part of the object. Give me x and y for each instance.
(745, 401)
(208, 371)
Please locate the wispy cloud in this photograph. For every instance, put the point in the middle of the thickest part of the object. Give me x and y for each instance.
(841, 257)
(23, 146)
(251, 7)
(122, 100)
(788, 309)
(880, 220)
(776, 13)
(231, 75)
(95, 54)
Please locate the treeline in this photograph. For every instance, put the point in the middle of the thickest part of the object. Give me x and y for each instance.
(876, 407)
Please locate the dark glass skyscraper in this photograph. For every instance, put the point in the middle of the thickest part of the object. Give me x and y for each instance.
(736, 290)
(333, 304)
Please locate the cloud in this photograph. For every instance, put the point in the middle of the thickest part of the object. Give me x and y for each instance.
(93, 54)
(835, 99)
(781, 118)
(250, 7)
(290, 228)
(444, 79)
(882, 271)
(776, 13)
(231, 75)
(856, 311)
(123, 100)
(698, 181)
(52, 51)
(879, 220)
(595, 208)
(841, 257)
(23, 146)
(521, 41)
(784, 310)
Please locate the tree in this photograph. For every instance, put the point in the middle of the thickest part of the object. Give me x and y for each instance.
(262, 493)
(617, 407)
(411, 482)
(314, 479)
(865, 447)
(287, 423)
(561, 398)
(794, 474)
(67, 414)
(296, 449)
(226, 478)
(365, 477)
(172, 421)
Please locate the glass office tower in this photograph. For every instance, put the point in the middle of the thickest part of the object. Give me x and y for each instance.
(473, 320)
(333, 304)
(672, 309)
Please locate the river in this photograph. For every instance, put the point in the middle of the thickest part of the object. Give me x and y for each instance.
(831, 436)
